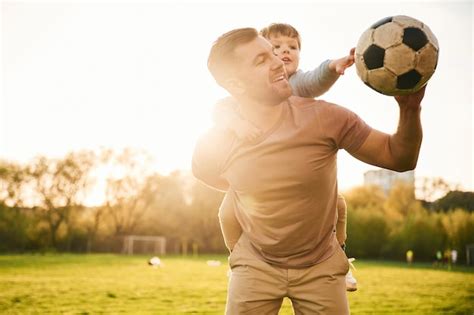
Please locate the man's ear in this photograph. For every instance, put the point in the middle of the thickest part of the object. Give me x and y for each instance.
(234, 86)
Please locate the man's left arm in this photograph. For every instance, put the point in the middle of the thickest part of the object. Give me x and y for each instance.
(398, 152)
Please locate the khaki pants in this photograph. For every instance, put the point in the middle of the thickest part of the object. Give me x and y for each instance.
(256, 287)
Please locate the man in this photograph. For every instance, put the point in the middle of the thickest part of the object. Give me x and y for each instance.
(283, 185)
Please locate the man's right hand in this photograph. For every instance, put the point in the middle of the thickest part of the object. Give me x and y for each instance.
(411, 101)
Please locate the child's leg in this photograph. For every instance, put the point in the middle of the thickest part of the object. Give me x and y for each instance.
(341, 235)
(341, 225)
(230, 227)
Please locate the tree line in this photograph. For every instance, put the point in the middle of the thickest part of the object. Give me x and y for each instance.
(45, 205)
(387, 226)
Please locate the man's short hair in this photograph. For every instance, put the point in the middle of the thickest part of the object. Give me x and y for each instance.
(222, 60)
(281, 29)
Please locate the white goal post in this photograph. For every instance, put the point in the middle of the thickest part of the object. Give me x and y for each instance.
(148, 244)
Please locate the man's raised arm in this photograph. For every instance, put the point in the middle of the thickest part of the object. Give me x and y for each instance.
(398, 152)
(206, 164)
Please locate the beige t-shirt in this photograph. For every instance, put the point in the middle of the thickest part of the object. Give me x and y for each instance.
(283, 186)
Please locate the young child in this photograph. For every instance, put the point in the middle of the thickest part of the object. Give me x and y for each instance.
(286, 42)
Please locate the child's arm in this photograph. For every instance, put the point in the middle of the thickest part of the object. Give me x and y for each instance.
(318, 81)
(341, 64)
(341, 225)
(226, 117)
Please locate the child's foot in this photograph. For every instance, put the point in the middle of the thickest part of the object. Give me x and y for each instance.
(351, 282)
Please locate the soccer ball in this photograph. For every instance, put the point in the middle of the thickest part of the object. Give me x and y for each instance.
(154, 261)
(397, 55)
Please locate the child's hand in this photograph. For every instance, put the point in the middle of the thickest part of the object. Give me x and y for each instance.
(245, 130)
(340, 65)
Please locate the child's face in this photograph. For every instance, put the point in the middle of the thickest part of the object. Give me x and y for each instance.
(286, 48)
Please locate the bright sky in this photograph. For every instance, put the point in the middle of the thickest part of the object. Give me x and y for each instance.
(115, 74)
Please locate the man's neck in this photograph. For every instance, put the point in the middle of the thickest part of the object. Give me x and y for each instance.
(262, 116)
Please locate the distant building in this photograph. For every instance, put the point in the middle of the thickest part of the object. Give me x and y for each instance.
(386, 179)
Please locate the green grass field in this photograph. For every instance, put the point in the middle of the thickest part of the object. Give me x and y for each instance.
(113, 284)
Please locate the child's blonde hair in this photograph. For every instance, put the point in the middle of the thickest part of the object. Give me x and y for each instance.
(281, 29)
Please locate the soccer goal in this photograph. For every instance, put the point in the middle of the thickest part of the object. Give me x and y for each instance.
(138, 244)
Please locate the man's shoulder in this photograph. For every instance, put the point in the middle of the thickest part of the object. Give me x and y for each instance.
(311, 108)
